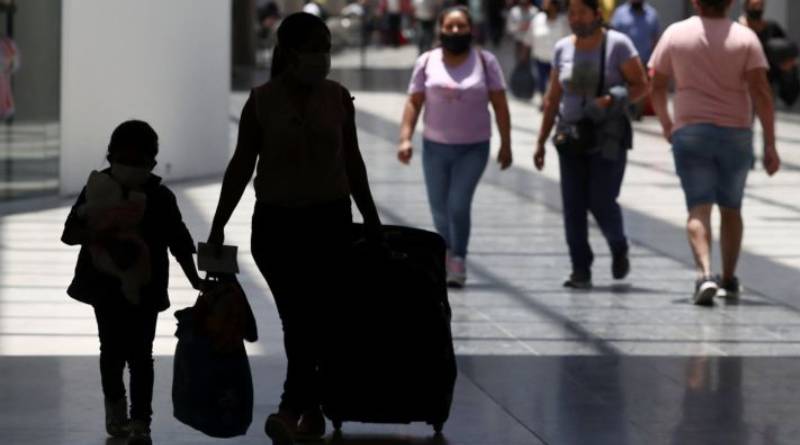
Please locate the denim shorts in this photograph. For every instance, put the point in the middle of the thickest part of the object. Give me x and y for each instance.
(712, 163)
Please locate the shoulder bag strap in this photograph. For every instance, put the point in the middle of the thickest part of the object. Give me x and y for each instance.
(601, 85)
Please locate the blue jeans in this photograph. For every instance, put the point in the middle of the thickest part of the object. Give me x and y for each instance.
(452, 172)
(591, 183)
(712, 163)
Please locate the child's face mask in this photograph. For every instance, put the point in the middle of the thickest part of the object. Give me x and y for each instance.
(128, 176)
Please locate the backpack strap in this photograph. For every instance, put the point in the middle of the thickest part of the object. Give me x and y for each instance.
(601, 85)
(427, 55)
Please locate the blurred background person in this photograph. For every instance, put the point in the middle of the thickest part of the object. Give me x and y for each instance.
(269, 18)
(425, 12)
(478, 10)
(548, 27)
(314, 8)
(781, 52)
(518, 25)
(392, 12)
(522, 82)
(495, 21)
(639, 21)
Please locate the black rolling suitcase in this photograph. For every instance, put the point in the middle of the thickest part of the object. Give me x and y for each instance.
(389, 349)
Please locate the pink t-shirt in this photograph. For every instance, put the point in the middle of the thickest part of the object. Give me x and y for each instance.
(457, 98)
(708, 59)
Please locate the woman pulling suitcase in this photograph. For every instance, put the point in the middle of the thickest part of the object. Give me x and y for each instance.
(298, 133)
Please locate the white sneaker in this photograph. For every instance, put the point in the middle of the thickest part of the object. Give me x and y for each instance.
(456, 271)
(705, 289)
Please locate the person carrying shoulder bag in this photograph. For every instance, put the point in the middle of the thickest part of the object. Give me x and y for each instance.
(596, 74)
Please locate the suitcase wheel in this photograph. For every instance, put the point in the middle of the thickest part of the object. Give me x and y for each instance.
(438, 427)
(337, 425)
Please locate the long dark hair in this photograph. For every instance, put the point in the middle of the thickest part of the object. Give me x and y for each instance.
(593, 4)
(295, 30)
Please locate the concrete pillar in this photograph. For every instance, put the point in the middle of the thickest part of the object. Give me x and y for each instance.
(37, 31)
(165, 62)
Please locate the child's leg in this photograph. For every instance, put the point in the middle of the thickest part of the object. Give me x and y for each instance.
(142, 330)
(112, 350)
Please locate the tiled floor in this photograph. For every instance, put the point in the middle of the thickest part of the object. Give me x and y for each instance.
(629, 363)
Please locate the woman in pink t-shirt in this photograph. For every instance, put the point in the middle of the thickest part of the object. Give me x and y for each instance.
(456, 83)
(720, 74)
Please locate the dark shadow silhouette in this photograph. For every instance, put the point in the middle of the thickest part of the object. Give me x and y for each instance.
(126, 222)
(745, 302)
(350, 355)
(369, 439)
(596, 409)
(626, 288)
(729, 302)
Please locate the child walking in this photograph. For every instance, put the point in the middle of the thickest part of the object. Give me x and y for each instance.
(132, 231)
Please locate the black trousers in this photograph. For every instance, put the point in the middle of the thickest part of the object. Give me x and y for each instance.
(427, 35)
(394, 27)
(592, 183)
(302, 252)
(126, 337)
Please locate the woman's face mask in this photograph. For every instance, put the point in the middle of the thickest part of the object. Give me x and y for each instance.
(755, 14)
(311, 68)
(456, 43)
(131, 177)
(583, 30)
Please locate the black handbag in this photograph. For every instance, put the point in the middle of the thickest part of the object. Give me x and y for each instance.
(786, 83)
(581, 136)
(522, 82)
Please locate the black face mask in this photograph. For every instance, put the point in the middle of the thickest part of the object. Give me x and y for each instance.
(637, 6)
(584, 30)
(755, 14)
(456, 43)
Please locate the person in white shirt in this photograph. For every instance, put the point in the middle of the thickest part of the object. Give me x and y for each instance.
(313, 9)
(548, 27)
(518, 26)
(425, 15)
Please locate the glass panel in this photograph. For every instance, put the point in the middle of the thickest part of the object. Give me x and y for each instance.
(30, 93)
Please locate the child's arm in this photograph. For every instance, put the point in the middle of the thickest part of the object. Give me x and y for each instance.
(180, 240)
(190, 269)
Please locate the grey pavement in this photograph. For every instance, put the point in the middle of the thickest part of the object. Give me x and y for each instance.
(630, 362)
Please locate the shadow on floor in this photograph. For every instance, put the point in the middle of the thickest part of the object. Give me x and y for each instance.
(371, 439)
